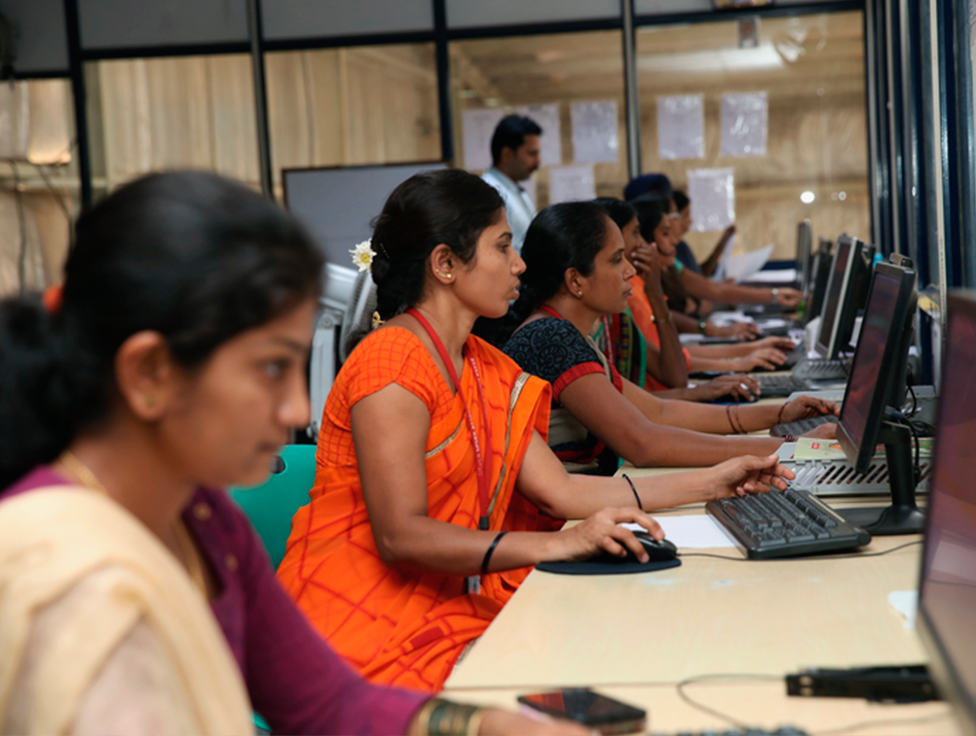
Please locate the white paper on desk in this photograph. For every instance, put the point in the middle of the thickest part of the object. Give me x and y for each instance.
(691, 532)
(775, 276)
(743, 266)
(477, 127)
(571, 184)
(906, 603)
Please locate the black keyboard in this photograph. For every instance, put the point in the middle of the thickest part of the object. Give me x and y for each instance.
(823, 370)
(781, 731)
(780, 385)
(802, 426)
(785, 524)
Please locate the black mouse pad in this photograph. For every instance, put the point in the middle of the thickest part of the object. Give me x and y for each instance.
(598, 567)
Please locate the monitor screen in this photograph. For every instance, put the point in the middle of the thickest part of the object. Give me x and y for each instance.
(881, 351)
(839, 272)
(947, 590)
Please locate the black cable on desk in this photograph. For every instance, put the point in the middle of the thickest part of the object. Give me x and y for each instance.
(680, 687)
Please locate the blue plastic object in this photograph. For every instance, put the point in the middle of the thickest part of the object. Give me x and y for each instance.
(271, 505)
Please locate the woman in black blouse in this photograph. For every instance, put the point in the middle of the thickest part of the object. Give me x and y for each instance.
(575, 274)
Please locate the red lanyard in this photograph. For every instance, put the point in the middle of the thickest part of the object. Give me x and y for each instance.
(553, 312)
(484, 479)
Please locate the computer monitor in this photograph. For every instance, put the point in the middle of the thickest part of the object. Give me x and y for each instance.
(804, 254)
(875, 391)
(947, 587)
(849, 278)
(820, 271)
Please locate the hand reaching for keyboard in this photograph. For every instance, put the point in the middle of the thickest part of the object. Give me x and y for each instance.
(749, 474)
(807, 406)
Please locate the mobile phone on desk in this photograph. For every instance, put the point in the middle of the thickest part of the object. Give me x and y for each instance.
(580, 704)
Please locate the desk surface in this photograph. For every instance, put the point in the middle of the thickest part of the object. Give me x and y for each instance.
(756, 703)
(647, 632)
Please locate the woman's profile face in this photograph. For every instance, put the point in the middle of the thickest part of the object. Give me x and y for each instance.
(490, 281)
(608, 284)
(632, 237)
(663, 239)
(228, 418)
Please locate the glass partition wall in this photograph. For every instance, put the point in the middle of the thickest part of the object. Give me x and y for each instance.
(808, 73)
(572, 84)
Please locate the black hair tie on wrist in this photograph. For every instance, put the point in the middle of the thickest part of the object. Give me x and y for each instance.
(491, 549)
(634, 489)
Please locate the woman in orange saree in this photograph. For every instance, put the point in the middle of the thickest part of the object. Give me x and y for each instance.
(435, 491)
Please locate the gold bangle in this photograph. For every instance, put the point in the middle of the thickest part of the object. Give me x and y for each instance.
(656, 320)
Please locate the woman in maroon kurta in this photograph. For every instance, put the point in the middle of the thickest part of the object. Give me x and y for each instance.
(171, 364)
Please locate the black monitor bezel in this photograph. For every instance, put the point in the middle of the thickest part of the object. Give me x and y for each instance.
(820, 277)
(844, 243)
(851, 298)
(804, 254)
(860, 451)
(947, 681)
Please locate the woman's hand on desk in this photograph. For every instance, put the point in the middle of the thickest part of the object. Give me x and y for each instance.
(602, 532)
(780, 343)
(738, 385)
(823, 432)
(749, 474)
(738, 330)
(803, 407)
(768, 358)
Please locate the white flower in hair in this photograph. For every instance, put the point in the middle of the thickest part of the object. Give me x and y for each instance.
(363, 255)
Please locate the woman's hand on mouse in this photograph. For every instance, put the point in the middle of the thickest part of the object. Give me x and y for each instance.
(602, 532)
(748, 474)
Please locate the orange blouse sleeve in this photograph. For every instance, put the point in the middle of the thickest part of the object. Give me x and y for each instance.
(390, 355)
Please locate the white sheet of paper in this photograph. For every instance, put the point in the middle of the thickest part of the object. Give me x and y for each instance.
(571, 183)
(775, 276)
(744, 265)
(712, 195)
(478, 126)
(744, 124)
(681, 127)
(595, 132)
(906, 603)
(551, 140)
(691, 532)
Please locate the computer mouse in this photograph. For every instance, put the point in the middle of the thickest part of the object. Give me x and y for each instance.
(657, 551)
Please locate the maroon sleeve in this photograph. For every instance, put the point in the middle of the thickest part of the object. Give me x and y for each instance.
(294, 678)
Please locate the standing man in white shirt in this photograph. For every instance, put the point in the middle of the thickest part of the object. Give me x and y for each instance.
(514, 156)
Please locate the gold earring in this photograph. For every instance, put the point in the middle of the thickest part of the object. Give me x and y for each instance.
(579, 294)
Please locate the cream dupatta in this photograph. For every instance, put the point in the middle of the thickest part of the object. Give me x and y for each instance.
(64, 542)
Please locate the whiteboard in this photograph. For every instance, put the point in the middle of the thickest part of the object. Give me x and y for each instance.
(337, 205)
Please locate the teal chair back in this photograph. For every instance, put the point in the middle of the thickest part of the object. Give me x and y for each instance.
(271, 506)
